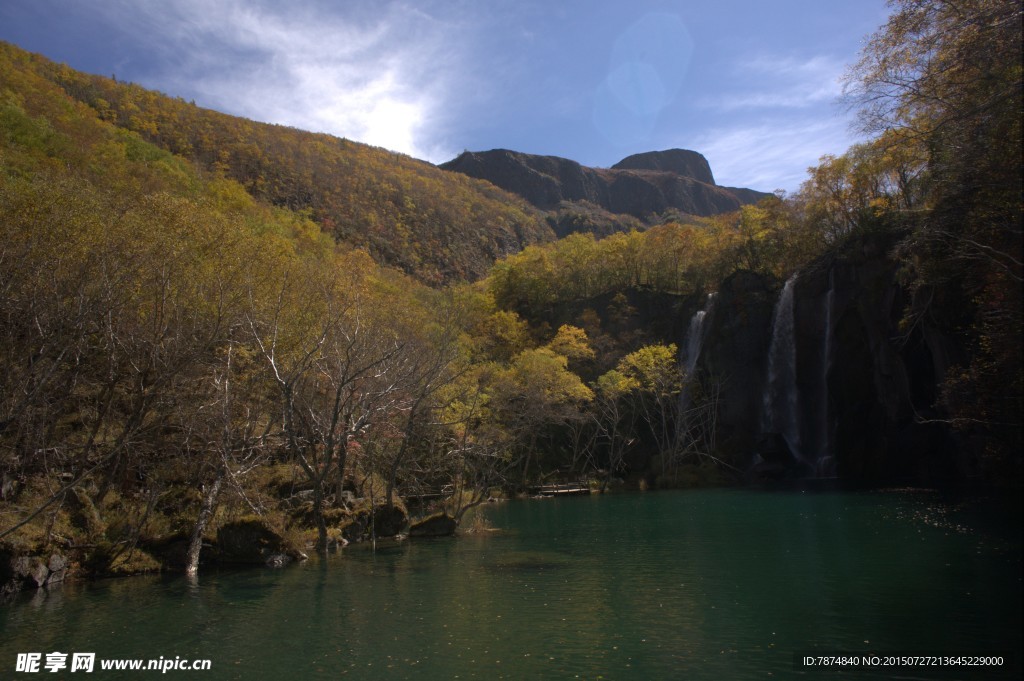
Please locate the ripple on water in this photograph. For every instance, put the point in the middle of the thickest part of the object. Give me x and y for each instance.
(717, 584)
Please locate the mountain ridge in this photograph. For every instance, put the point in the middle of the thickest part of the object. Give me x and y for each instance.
(425, 220)
(643, 185)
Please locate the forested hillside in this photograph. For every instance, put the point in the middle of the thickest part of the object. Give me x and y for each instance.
(405, 212)
(213, 329)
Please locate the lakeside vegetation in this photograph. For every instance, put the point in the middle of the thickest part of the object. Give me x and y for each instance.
(206, 319)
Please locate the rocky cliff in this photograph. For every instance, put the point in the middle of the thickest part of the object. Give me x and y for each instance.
(677, 161)
(642, 185)
(863, 385)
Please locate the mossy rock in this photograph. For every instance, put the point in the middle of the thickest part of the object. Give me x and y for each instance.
(134, 562)
(180, 500)
(302, 515)
(439, 525)
(279, 480)
(385, 521)
(253, 541)
(171, 549)
(108, 559)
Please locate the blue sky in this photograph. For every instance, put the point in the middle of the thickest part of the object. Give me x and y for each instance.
(751, 85)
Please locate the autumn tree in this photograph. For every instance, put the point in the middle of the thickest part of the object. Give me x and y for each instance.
(655, 379)
(613, 419)
(329, 358)
(534, 394)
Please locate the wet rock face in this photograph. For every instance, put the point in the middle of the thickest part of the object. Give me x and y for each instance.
(879, 382)
(735, 355)
(641, 185)
(864, 386)
(774, 460)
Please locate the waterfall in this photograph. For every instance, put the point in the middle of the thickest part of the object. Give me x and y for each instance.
(695, 335)
(692, 427)
(694, 339)
(781, 401)
(825, 463)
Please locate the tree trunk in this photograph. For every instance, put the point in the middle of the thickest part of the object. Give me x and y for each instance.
(206, 510)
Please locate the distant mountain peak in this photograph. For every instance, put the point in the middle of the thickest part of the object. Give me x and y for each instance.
(642, 185)
(679, 161)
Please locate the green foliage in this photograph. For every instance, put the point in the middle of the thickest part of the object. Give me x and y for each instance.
(572, 343)
(873, 186)
(677, 258)
(34, 134)
(654, 369)
(541, 377)
(616, 384)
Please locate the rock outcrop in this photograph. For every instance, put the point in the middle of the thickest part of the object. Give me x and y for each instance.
(440, 525)
(735, 357)
(864, 386)
(363, 524)
(642, 186)
(29, 572)
(678, 161)
(253, 541)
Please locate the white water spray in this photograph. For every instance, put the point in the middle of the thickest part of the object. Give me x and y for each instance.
(781, 400)
(695, 334)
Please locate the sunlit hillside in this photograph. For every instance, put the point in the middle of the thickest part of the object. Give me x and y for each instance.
(406, 213)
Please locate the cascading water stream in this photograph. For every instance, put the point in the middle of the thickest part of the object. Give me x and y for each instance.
(825, 465)
(694, 338)
(692, 425)
(695, 334)
(781, 401)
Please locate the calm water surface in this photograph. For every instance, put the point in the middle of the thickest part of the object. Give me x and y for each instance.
(696, 585)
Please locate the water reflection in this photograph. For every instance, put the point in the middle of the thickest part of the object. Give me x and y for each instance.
(702, 585)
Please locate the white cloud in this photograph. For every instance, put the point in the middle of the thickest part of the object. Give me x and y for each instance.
(776, 155)
(775, 82)
(775, 64)
(776, 120)
(381, 78)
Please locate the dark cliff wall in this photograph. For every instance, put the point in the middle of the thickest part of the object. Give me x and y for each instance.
(735, 357)
(866, 384)
(870, 403)
(648, 184)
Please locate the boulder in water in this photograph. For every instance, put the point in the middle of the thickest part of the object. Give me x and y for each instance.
(440, 525)
(253, 541)
(384, 521)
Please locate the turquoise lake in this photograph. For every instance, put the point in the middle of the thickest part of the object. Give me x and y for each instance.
(722, 584)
